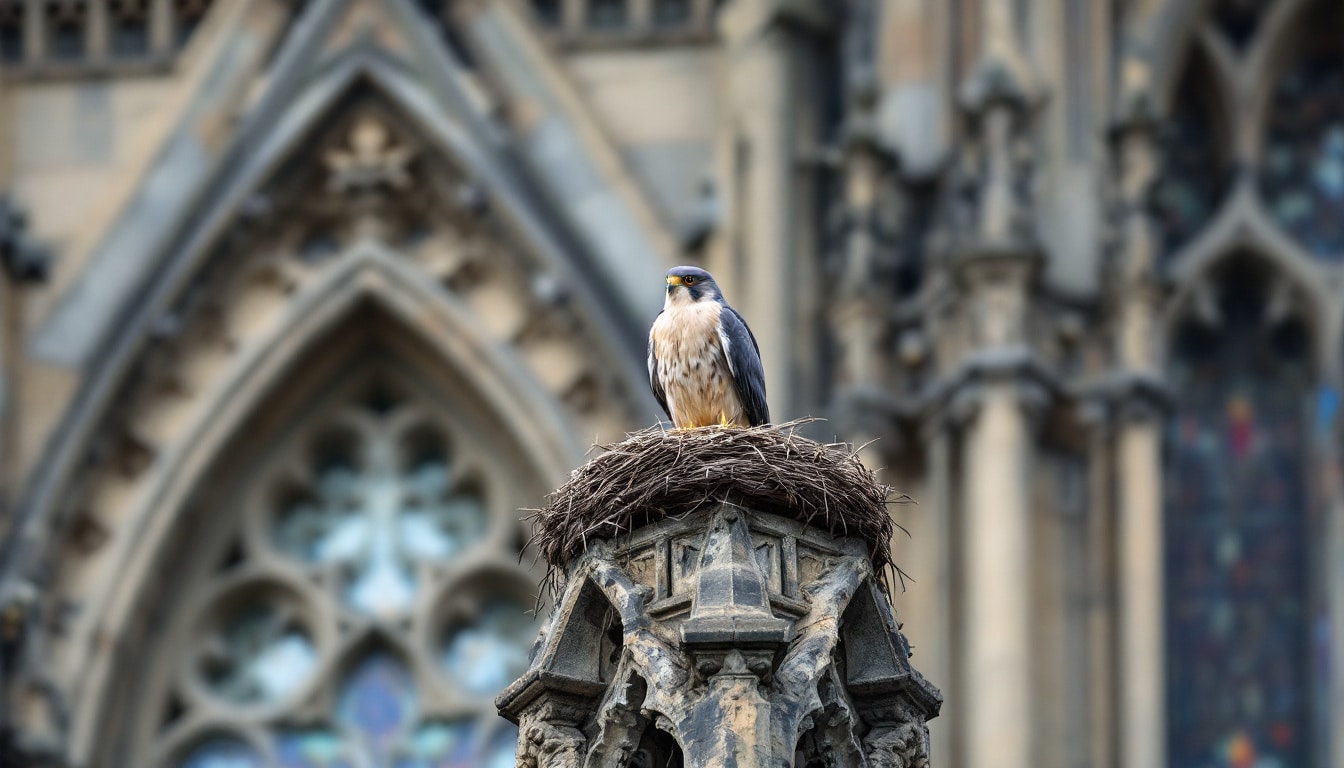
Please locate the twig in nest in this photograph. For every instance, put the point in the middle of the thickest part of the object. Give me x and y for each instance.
(655, 474)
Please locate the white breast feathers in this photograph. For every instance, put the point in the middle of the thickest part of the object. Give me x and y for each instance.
(692, 369)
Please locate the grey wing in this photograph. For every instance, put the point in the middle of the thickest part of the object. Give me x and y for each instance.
(744, 362)
(654, 383)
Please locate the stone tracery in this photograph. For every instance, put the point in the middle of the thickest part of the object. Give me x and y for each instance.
(324, 585)
(371, 503)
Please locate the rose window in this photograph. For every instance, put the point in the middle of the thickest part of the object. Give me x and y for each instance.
(371, 609)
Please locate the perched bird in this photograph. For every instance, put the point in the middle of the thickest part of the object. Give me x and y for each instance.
(704, 364)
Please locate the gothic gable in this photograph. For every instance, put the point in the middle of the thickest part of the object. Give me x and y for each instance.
(363, 195)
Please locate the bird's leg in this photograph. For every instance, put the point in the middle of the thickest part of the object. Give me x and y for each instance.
(723, 420)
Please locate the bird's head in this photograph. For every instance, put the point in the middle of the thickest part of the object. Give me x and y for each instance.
(691, 284)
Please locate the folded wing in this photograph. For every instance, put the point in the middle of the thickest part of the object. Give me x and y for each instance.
(744, 361)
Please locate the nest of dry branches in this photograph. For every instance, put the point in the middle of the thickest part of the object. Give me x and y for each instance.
(655, 474)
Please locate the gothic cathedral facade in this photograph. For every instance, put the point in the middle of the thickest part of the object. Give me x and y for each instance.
(306, 302)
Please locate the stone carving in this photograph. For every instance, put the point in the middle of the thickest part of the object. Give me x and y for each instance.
(372, 159)
(710, 650)
(905, 746)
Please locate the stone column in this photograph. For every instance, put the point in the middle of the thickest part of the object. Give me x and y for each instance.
(996, 388)
(1142, 706)
(1097, 419)
(770, 108)
(97, 32)
(35, 32)
(860, 295)
(1142, 618)
(928, 603)
(996, 629)
(641, 15)
(162, 44)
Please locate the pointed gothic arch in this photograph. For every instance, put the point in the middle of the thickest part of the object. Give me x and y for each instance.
(1239, 530)
(369, 291)
(266, 608)
(1199, 155)
(1249, 341)
(362, 197)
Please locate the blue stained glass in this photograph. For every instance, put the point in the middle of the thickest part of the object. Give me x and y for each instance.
(502, 750)
(442, 745)
(259, 656)
(375, 717)
(310, 749)
(489, 653)
(1237, 611)
(1196, 174)
(222, 752)
(379, 521)
(378, 704)
(1303, 174)
(460, 745)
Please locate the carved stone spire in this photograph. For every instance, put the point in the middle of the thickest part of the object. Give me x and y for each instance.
(714, 640)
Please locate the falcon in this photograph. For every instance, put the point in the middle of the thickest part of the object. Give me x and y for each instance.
(704, 364)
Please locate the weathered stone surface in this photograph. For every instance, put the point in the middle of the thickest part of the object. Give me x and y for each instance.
(727, 639)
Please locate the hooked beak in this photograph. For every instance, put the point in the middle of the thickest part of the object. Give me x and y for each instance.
(672, 282)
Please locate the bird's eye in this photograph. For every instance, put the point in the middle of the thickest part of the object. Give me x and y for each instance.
(689, 280)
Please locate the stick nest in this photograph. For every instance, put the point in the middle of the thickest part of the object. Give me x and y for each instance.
(655, 474)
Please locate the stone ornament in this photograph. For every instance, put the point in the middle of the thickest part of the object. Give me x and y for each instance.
(729, 637)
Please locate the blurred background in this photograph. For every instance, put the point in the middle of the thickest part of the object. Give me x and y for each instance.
(305, 303)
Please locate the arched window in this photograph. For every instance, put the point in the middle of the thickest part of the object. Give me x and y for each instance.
(1196, 169)
(1236, 533)
(367, 607)
(1302, 174)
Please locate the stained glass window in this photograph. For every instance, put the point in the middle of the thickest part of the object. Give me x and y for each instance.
(1195, 170)
(377, 724)
(260, 655)
(223, 752)
(1303, 168)
(376, 504)
(1237, 619)
(376, 529)
(490, 650)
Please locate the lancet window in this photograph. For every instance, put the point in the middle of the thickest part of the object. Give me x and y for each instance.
(1238, 604)
(1303, 171)
(1254, 417)
(1196, 173)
